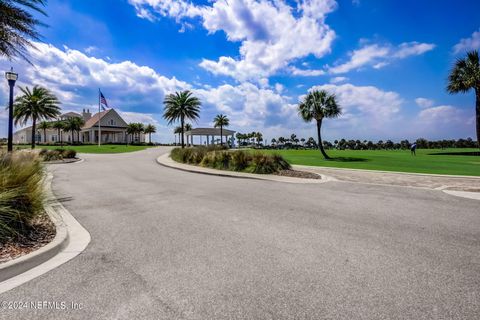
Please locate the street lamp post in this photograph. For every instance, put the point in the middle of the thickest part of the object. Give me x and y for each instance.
(11, 77)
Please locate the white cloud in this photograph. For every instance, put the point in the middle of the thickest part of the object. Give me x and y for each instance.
(443, 122)
(271, 33)
(378, 56)
(424, 102)
(90, 49)
(306, 72)
(467, 44)
(338, 79)
(75, 78)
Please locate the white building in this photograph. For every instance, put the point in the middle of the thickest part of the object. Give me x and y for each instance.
(112, 127)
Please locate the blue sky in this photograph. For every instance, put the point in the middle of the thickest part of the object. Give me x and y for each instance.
(387, 62)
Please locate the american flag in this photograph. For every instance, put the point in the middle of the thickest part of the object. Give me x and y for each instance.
(103, 100)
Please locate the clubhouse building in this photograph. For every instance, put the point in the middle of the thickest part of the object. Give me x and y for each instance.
(112, 127)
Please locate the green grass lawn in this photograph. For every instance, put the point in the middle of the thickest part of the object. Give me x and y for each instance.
(106, 148)
(395, 160)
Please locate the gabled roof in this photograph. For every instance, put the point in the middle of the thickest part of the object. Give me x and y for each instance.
(94, 119)
(71, 114)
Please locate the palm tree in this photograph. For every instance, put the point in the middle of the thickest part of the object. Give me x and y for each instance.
(464, 76)
(17, 27)
(318, 105)
(180, 106)
(74, 124)
(131, 130)
(36, 104)
(44, 125)
(149, 129)
(221, 121)
(258, 137)
(177, 130)
(59, 125)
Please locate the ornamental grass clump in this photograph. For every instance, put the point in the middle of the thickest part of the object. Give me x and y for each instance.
(21, 193)
(218, 158)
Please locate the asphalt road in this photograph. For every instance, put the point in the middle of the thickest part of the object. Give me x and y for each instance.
(168, 244)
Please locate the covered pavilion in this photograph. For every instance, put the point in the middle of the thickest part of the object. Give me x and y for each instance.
(209, 134)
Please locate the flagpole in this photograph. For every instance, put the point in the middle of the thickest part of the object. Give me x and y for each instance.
(99, 118)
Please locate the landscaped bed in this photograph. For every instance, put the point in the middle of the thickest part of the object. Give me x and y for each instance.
(216, 157)
(24, 225)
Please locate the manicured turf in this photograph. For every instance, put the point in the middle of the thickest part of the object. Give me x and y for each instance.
(107, 148)
(395, 160)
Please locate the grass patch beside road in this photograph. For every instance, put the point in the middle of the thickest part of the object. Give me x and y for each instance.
(427, 160)
(105, 148)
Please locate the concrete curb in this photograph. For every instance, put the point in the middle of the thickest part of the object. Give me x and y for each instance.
(166, 161)
(71, 239)
(383, 171)
(463, 194)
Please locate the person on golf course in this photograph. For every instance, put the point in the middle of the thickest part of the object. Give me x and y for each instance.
(413, 149)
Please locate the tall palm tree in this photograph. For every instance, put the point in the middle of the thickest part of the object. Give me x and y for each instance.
(59, 125)
(36, 104)
(318, 105)
(464, 76)
(17, 27)
(221, 121)
(44, 125)
(149, 129)
(180, 106)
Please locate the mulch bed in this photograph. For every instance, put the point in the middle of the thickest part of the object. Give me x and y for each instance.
(298, 174)
(40, 233)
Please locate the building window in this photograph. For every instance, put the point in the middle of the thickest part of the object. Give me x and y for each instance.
(112, 122)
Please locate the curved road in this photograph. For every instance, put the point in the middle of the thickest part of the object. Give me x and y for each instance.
(168, 244)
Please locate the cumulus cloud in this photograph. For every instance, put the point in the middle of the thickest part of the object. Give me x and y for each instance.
(271, 33)
(467, 44)
(338, 79)
(75, 78)
(424, 102)
(306, 72)
(378, 56)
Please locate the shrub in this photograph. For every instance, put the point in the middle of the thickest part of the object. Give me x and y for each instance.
(68, 153)
(218, 158)
(21, 193)
(52, 155)
(240, 160)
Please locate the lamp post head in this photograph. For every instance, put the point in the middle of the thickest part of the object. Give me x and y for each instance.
(11, 76)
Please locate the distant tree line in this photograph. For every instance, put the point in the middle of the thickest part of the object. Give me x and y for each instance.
(343, 144)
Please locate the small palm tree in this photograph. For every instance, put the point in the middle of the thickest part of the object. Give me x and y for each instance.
(74, 124)
(180, 106)
(464, 76)
(177, 130)
(44, 125)
(318, 105)
(149, 129)
(221, 121)
(59, 125)
(17, 27)
(131, 130)
(36, 104)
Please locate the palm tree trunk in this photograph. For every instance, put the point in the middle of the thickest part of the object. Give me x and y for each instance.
(78, 137)
(59, 137)
(320, 143)
(44, 136)
(73, 131)
(182, 123)
(34, 123)
(477, 109)
(149, 137)
(221, 135)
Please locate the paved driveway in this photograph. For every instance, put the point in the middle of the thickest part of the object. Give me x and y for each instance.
(168, 244)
